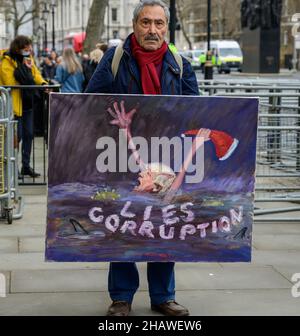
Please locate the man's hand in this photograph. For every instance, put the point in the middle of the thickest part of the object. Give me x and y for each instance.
(121, 118)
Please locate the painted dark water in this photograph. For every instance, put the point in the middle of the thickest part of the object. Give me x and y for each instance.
(94, 242)
(76, 187)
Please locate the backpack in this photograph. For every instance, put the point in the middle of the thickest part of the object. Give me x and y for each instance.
(119, 53)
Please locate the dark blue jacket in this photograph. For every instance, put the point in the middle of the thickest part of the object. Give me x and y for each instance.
(128, 80)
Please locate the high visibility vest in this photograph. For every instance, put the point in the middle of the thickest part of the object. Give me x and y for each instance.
(172, 48)
(202, 58)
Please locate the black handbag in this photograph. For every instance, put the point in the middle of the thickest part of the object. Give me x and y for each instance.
(24, 76)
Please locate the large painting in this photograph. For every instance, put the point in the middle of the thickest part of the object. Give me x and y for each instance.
(150, 178)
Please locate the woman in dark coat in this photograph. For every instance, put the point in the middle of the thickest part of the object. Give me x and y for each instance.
(89, 69)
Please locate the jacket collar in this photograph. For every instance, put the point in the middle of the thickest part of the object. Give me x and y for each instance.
(16, 57)
(126, 45)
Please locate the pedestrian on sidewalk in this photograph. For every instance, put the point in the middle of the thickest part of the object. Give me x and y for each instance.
(69, 73)
(89, 69)
(147, 66)
(48, 68)
(18, 68)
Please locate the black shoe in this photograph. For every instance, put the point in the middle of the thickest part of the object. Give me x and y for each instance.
(29, 171)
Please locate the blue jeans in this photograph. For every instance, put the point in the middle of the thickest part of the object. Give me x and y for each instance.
(123, 281)
(25, 133)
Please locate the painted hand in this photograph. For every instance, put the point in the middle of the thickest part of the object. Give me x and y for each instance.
(204, 133)
(122, 118)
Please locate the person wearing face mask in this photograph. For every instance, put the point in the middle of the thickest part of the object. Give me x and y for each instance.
(18, 68)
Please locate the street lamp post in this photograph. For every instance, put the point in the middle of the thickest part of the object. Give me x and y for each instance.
(45, 13)
(172, 20)
(53, 5)
(62, 24)
(108, 16)
(45, 37)
(208, 68)
(82, 17)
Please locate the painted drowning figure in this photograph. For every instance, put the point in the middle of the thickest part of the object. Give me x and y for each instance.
(157, 177)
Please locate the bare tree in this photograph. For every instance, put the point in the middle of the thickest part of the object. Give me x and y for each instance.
(19, 12)
(181, 18)
(225, 19)
(229, 26)
(95, 25)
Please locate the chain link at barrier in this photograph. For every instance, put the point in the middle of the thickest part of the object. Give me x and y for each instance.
(278, 144)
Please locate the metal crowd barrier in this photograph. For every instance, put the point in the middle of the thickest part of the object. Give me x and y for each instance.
(278, 144)
(39, 102)
(11, 204)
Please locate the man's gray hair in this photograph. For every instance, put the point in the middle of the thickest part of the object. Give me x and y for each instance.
(145, 3)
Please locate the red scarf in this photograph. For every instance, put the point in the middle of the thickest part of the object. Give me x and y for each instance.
(148, 62)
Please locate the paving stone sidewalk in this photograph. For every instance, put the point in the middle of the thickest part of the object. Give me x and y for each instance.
(34, 287)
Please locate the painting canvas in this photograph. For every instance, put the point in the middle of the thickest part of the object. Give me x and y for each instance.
(151, 178)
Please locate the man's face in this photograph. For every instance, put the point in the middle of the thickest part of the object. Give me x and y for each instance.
(151, 27)
(149, 181)
(146, 180)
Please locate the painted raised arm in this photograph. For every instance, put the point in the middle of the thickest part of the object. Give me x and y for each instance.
(123, 120)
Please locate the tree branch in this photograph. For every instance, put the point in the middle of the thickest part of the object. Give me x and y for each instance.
(181, 18)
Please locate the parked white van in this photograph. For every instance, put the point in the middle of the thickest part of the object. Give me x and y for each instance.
(228, 55)
(193, 57)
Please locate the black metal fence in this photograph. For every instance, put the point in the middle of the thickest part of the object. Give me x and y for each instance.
(278, 143)
(36, 98)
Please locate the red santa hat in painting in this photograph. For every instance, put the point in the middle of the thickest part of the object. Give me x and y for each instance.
(224, 144)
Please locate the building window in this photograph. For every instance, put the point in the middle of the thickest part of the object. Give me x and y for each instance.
(114, 15)
(115, 34)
